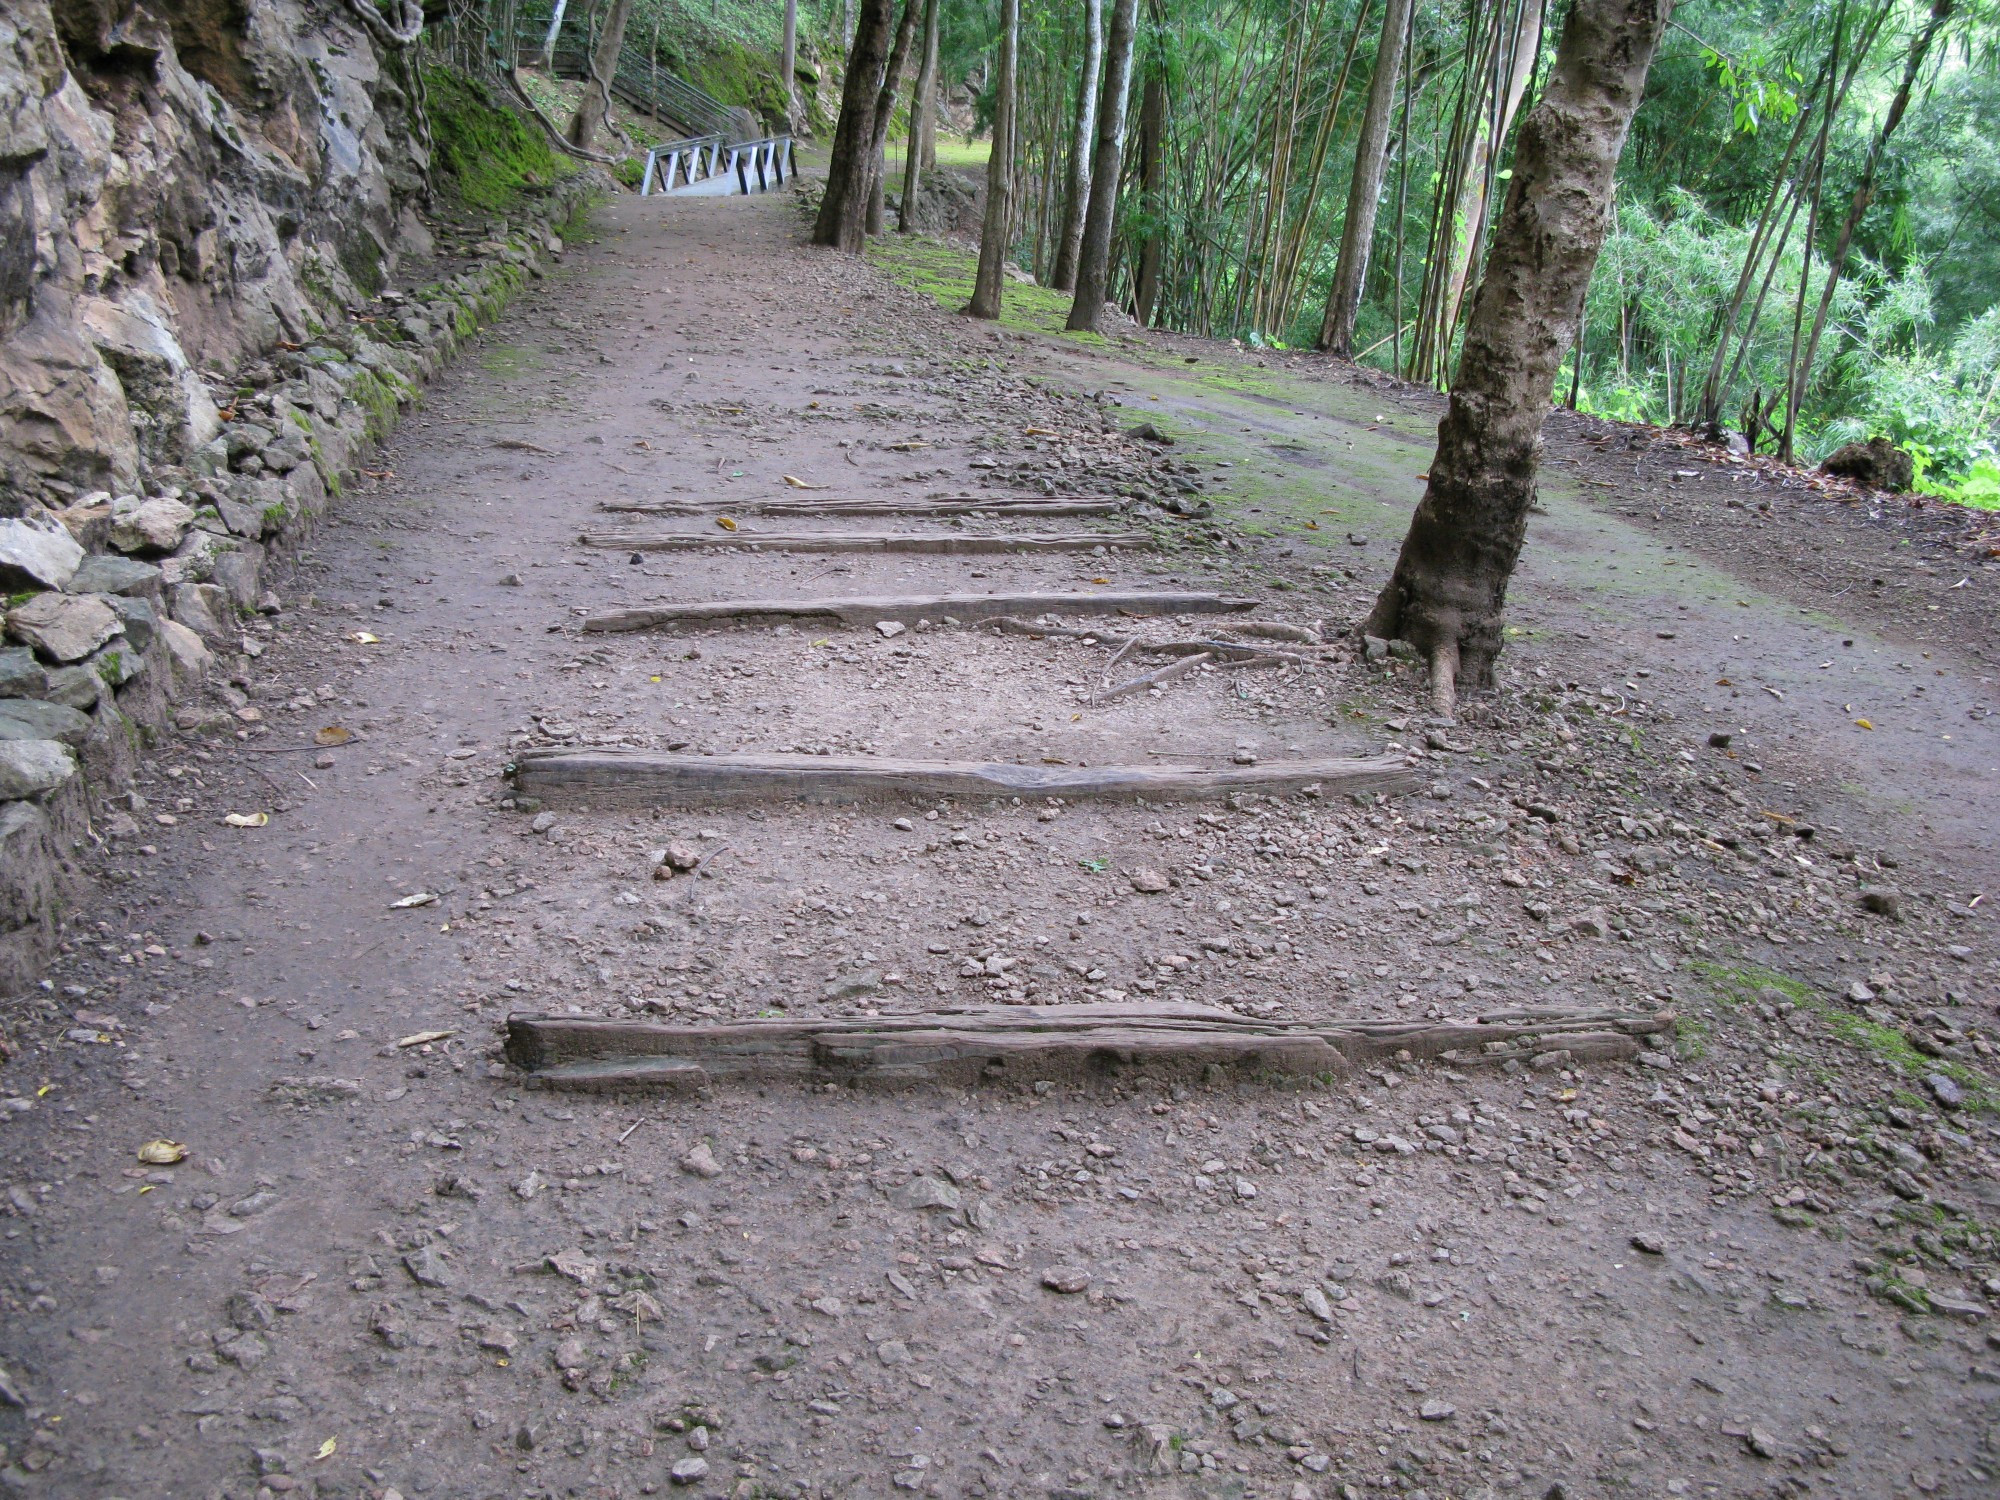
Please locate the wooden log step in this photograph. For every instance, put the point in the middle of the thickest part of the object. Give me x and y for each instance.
(909, 609)
(949, 542)
(650, 778)
(874, 505)
(989, 1042)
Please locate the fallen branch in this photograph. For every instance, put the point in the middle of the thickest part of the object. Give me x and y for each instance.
(1154, 678)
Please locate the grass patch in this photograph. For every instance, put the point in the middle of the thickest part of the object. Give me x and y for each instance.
(946, 273)
(951, 153)
(487, 155)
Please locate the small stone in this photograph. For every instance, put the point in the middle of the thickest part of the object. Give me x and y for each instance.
(921, 1193)
(103, 573)
(681, 856)
(29, 768)
(1760, 1441)
(571, 1355)
(889, 629)
(510, 580)
(893, 1352)
(1883, 900)
(427, 1267)
(1648, 1244)
(156, 525)
(1149, 881)
(1068, 1280)
(542, 822)
(1945, 1090)
(1316, 1304)
(1224, 1399)
(1720, 739)
(21, 676)
(37, 550)
(1437, 1411)
(690, 1470)
(1590, 924)
(701, 1162)
(63, 627)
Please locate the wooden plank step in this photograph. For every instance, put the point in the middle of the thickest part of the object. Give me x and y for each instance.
(878, 505)
(948, 542)
(911, 608)
(648, 778)
(989, 1042)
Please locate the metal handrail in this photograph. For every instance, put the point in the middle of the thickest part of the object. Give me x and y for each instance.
(692, 159)
(651, 89)
(706, 157)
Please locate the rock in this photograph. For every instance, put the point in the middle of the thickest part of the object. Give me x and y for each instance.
(1720, 739)
(155, 525)
(1067, 1280)
(29, 768)
(185, 650)
(689, 1470)
(239, 572)
(921, 1193)
(137, 618)
(701, 1162)
(1316, 1303)
(1946, 1091)
(1649, 1244)
(37, 551)
(1877, 463)
(78, 687)
(103, 573)
(890, 629)
(286, 451)
(21, 676)
(1760, 1441)
(1437, 1411)
(1883, 900)
(32, 719)
(570, 1354)
(681, 856)
(427, 1267)
(893, 1352)
(1146, 432)
(1149, 881)
(1590, 924)
(63, 627)
(203, 608)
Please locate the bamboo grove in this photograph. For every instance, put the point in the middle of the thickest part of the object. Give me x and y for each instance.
(1803, 242)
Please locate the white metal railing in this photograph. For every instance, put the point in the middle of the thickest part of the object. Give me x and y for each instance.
(685, 163)
(689, 161)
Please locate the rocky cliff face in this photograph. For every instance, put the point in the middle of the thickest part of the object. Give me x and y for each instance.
(183, 184)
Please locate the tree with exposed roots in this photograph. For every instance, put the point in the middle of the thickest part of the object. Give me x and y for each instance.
(595, 105)
(1449, 589)
(843, 208)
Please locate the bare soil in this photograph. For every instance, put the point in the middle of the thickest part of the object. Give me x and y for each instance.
(1764, 1264)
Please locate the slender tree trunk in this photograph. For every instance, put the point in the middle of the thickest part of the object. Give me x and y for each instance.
(555, 29)
(1371, 150)
(1070, 237)
(1449, 589)
(1093, 263)
(1481, 180)
(885, 111)
(999, 171)
(1864, 194)
(923, 109)
(1152, 178)
(791, 61)
(1402, 196)
(843, 209)
(596, 101)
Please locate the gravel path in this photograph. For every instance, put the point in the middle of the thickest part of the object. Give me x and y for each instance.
(1762, 1264)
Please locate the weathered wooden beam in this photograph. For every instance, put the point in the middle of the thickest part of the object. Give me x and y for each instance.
(1033, 1041)
(872, 505)
(648, 778)
(953, 543)
(909, 609)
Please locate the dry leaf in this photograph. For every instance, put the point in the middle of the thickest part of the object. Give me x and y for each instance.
(1038, 432)
(247, 820)
(422, 898)
(725, 523)
(162, 1153)
(333, 734)
(1864, 724)
(326, 1450)
(365, 638)
(418, 1038)
(799, 484)
(1100, 580)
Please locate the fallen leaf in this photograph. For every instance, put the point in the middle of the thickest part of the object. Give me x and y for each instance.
(422, 898)
(1038, 432)
(162, 1153)
(365, 639)
(1100, 580)
(326, 1450)
(247, 820)
(725, 523)
(417, 1039)
(799, 484)
(1864, 724)
(333, 734)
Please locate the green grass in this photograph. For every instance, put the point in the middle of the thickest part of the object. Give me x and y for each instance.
(952, 151)
(946, 273)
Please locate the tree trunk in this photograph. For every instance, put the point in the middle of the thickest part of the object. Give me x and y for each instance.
(923, 108)
(843, 209)
(791, 61)
(993, 233)
(555, 29)
(1078, 188)
(596, 101)
(1450, 584)
(1152, 178)
(1864, 194)
(885, 111)
(1364, 193)
(1093, 262)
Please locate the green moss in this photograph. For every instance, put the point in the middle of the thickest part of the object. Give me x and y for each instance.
(487, 154)
(947, 273)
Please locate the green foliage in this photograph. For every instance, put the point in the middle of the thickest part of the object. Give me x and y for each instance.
(487, 155)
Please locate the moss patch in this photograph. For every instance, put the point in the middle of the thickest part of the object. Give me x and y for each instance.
(946, 273)
(487, 155)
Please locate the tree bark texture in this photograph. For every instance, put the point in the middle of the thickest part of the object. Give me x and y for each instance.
(923, 110)
(1450, 585)
(1070, 239)
(1364, 193)
(791, 61)
(1093, 262)
(596, 101)
(1152, 184)
(843, 209)
(885, 111)
(999, 171)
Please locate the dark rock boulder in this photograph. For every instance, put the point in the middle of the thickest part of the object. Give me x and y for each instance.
(1877, 463)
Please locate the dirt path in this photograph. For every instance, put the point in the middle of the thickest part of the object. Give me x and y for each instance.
(1759, 1266)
